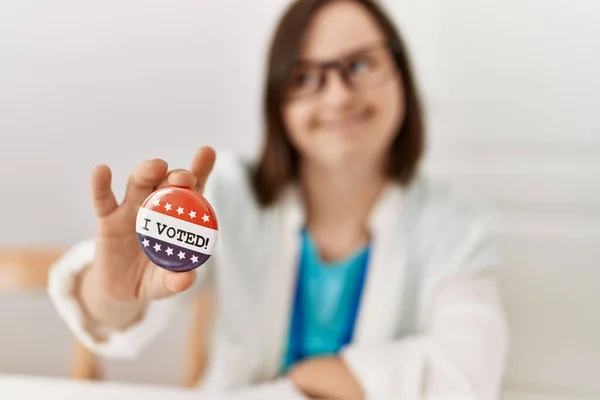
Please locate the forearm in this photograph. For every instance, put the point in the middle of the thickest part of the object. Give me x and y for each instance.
(326, 378)
(462, 353)
(100, 309)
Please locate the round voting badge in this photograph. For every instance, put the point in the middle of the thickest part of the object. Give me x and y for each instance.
(177, 228)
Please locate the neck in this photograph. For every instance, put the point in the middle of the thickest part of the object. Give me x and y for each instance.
(339, 200)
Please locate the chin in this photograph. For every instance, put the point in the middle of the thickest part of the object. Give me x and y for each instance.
(350, 131)
(339, 155)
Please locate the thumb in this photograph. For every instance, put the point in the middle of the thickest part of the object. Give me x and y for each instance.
(162, 283)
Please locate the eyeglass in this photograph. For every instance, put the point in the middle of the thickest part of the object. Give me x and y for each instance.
(360, 70)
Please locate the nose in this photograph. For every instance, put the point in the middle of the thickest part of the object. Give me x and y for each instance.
(336, 90)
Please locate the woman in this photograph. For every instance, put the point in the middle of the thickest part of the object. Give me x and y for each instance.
(339, 272)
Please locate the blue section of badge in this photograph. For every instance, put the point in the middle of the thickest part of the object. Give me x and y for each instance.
(170, 256)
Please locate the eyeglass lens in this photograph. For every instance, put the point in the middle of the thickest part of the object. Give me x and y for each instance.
(363, 70)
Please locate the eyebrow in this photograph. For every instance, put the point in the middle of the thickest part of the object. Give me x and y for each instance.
(346, 54)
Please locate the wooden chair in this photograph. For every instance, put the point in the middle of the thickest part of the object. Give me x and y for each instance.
(26, 269)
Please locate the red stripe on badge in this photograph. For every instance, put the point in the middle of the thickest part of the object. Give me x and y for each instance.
(184, 204)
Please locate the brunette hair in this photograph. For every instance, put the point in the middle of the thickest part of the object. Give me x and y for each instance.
(278, 164)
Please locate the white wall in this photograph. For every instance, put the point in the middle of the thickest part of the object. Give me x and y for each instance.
(117, 82)
(511, 89)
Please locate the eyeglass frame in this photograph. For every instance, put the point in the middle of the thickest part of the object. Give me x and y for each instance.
(338, 65)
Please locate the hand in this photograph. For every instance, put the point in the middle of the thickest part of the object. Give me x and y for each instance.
(120, 269)
(326, 378)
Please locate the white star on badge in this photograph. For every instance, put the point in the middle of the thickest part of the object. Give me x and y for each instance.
(205, 218)
(180, 210)
(157, 247)
(168, 206)
(146, 243)
(194, 259)
(192, 214)
(181, 255)
(169, 251)
(156, 203)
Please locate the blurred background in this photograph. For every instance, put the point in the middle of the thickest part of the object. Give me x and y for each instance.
(512, 89)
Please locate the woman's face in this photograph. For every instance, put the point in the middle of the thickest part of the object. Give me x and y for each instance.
(338, 125)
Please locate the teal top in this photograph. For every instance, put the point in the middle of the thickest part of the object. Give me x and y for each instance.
(326, 303)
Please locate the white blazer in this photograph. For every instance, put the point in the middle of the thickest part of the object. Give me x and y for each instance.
(430, 324)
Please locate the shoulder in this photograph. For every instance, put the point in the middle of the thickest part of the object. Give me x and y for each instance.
(451, 230)
(229, 183)
(436, 200)
(230, 192)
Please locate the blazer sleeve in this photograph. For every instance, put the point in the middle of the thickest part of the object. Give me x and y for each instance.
(461, 348)
(128, 343)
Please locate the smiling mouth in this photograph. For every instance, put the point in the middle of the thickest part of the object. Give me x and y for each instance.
(346, 121)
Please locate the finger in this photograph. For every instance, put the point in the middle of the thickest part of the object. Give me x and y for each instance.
(202, 165)
(178, 177)
(103, 198)
(177, 282)
(143, 181)
(162, 283)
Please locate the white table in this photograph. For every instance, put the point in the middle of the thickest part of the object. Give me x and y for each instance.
(19, 387)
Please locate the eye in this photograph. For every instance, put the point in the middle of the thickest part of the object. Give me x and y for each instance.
(359, 65)
(304, 77)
